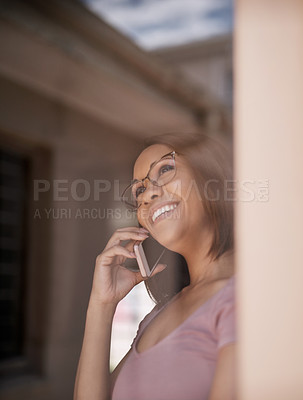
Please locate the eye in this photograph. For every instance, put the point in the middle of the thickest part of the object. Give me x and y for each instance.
(165, 168)
(139, 190)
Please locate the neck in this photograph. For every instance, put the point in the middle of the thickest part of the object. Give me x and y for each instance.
(203, 269)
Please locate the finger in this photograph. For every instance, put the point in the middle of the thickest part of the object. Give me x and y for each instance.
(125, 235)
(115, 251)
(132, 228)
(140, 278)
(130, 245)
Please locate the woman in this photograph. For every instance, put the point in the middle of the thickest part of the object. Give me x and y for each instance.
(185, 347)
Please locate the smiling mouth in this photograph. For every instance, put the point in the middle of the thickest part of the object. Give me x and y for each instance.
(163, 211)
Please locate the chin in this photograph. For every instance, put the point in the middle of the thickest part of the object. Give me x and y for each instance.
(169, 235)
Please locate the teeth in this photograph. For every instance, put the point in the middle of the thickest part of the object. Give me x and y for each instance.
(162, 210)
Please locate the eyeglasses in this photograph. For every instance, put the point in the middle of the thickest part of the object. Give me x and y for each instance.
(160, 173)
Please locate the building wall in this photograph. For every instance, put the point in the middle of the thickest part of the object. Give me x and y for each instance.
(207, 64)
(61, 248)
(77, 100)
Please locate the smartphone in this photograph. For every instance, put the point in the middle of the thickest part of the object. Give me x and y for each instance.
(146, 268)
(149, 253)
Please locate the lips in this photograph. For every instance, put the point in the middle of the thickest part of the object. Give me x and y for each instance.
(158, 211)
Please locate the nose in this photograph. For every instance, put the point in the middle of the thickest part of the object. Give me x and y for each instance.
(151, 192)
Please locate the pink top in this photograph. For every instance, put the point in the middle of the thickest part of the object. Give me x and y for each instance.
(182, 365)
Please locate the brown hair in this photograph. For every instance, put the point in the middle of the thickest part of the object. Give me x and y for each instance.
(211, 161)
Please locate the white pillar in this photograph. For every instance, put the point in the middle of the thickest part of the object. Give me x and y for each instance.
(269, 235)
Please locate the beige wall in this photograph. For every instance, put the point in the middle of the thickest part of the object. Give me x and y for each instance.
(268, 145)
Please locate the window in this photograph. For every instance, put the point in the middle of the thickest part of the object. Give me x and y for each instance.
(13, 209)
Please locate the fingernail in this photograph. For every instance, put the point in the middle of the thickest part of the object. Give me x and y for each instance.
(132, 254)
(143, 229)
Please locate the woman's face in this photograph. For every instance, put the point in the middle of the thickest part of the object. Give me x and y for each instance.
(185, 223)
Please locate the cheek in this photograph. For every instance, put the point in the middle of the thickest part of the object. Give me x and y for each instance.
(185, 187)
(174, 188)
(142, 216)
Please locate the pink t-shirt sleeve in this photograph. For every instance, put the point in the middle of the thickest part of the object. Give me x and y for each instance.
(225, 318)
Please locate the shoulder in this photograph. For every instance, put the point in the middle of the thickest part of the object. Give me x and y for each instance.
(224, 314)
(226, 293)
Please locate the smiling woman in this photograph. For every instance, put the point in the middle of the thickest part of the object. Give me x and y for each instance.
(184, 348)
(210, 163)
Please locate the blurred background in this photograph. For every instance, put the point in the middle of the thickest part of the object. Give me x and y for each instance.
(82, 84)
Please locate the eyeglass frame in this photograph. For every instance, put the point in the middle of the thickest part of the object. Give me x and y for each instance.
(171, 153)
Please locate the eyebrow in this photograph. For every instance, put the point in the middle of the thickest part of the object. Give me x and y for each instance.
(164, 155)
(151, 165)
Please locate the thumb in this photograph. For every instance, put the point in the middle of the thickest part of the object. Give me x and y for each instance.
(158, 268)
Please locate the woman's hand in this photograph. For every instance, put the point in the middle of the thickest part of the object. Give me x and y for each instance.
(112, 281)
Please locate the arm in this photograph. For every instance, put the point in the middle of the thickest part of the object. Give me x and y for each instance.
(117, 370)
(93, 377)
(224, 383)
(111, 282)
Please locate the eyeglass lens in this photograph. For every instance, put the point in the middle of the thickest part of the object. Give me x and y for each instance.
(160, 174)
